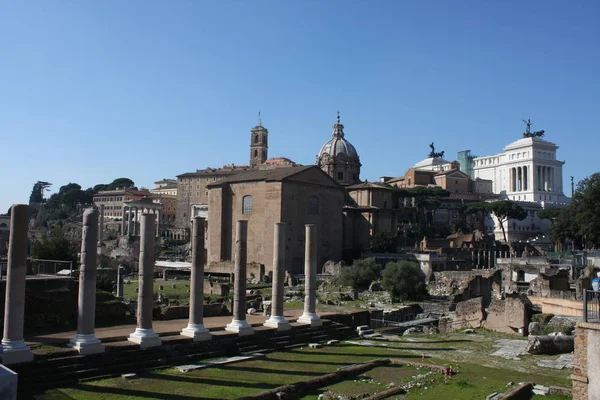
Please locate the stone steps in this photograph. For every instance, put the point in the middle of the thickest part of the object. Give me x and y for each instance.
(122, 357)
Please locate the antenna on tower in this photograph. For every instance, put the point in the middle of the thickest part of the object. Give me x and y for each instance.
(259, 119)
(338, 117)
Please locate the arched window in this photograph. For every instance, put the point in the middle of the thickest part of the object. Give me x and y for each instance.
(247, 204)
(3, 225)
(313, 205)
(255, 153)
(255, 138)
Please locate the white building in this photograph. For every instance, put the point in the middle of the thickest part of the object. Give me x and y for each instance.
(527, 170)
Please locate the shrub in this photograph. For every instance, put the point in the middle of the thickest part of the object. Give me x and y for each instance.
(384, 242)
(403, 279)
(102, 296)
(360, 274)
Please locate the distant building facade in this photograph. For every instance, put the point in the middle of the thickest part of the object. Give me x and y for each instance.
(113, 200)
(165, 186)
(527, 170)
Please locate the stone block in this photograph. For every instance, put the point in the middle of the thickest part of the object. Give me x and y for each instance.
(8, 383)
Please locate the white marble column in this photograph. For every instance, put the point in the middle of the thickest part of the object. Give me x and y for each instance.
(86, 342)
(310, 279)
(129, 221)
(14, 350)
(239, 323)
(195, 328)
(277, 320)
(157, 223)
(123, 221)
(144, 335)
(101, 230)
(135, 221)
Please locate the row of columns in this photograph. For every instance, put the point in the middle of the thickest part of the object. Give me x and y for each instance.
(130, 220)
(520, 178)
(14, 350)
(545, 178)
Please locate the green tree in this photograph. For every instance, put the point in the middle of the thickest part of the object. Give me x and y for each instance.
(550, 213)
(55, 246)
(360, 274)
(503, 210)
(37, 192)
(121, 183)
(403, 279)
(384, 242)
(580, 220)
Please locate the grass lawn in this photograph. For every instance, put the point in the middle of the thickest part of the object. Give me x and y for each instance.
(478, 373)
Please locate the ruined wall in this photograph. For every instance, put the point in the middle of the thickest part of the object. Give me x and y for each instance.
(469, 314)
(511, 315)
(464, 285)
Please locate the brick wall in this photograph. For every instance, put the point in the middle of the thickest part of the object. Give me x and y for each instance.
(586, 365)
(579, 376)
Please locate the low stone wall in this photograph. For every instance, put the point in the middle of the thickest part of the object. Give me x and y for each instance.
(216, 288)
(556, 306)
(180, 312)
(353, 319)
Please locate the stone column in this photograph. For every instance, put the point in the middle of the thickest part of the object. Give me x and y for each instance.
(195, 328)
(157, 222)
(101, 230)
(135, 221)
(120, 276)
(277, 320)
(14, 350)
(123, 221)
(85, 342)
(310, 279)
(144, 334)
(128, 221)
(238, 323)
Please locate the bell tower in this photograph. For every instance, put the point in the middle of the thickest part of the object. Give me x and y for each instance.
(259, 144)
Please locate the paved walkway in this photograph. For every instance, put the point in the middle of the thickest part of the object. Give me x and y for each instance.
(163, 328)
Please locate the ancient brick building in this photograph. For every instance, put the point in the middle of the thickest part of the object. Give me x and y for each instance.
(294, 195)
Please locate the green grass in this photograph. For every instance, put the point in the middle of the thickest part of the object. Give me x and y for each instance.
(478, 373)
(180, 293)
(473, 381)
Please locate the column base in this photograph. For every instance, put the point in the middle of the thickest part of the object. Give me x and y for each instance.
(197, 332)
(311, 319)
(278, 322)
(145, 338)
(15, 352)
(86, 344)
(242, 328)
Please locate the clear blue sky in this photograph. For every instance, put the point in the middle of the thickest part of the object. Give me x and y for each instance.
(95, 90)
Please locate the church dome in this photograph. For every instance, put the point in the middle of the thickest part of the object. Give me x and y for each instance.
(339, 159)
(338, 146)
